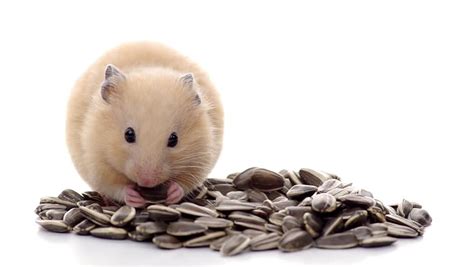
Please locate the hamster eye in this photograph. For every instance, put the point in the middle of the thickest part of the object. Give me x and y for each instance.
(172, 140)
(130, 135)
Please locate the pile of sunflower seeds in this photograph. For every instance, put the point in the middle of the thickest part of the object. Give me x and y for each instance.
(255, 210)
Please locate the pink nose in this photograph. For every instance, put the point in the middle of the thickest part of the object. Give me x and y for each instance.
(147, 182)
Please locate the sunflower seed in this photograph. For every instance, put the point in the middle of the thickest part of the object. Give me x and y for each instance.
(167, 242)
(57, 226)
(224, 188)
(123, 216)
(95, 216)
(140, 237)
(266, 180)
(109, 232)
(73, 217)
(252, 232)
(181, 228)
(217, 244)
(160, 212)
(235, 245)
(420, 216)
(70, 196)
(300, 191)
(361, 232)
(232, 205)
(84, 227)
(255, 195)
(357, 200)
(294, 178)
(56, 200)
(312, 177)
(312, 224)
(242, 180)
(404, 208)
(405, 222)
(334, 225)
(55, 214)
(265, 242)
(397, 230)
(273, 228)
(323, 202)
(195, 210)
(204, 240)
(43, 207)
(328, 185)
(212, 222)
(290, 222)
(295, 240)
(237, 195)
(378, 241)
(94, 196)
(359, 218)
(338, 241)
(151, 228)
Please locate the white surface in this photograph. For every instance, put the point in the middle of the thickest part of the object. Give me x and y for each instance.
(377, 92)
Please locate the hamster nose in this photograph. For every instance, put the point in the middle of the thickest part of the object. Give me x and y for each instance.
(147, 182)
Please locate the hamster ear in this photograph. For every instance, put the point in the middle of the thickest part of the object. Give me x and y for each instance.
(189, 83)
(113, 76)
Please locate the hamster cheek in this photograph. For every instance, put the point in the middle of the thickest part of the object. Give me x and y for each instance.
(132, 198)
(175, 193)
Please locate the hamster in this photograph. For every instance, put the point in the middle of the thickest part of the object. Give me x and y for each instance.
(143, 114)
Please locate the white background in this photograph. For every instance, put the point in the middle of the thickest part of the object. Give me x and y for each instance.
(377, 92)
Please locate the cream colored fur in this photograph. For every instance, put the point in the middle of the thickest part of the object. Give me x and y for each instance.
(155, 103)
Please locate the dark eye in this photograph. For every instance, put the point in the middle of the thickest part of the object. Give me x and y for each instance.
(172, 140)
(130, 135)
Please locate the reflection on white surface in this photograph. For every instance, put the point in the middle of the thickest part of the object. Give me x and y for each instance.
(90, 250)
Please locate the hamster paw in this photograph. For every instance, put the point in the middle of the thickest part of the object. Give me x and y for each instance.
(175, 193)
(133, 198)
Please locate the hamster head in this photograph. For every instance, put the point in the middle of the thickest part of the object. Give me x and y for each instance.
(154, 126)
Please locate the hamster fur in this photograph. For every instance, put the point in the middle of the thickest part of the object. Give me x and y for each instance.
(156, 91)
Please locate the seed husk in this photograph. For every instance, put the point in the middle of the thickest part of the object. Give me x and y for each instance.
(358, 218)
(312, 177)
(323, 202)
(94, 196)
(151, 228)
(404, 208)
(300, 191)
(140, 237)
(334, 225)
(237, 195)
(55, 214)
(420, 216)
(160, 212)
(266, 180)
(357, 200)
(312, 224)
(95, 216)
(109, 232)
(402, 221)
(182, 228)
(328, 185)
(123, 216)
(70, 196)
(48, 206)
(73, 217)
(235, 245)
(233, 205)
(255, 195)
(167, 242)
(157, 194)
(295, 240)
(265, 242)
(378, 241)
(338, 241)
(362, 232)
(252, 232)
(204, 240)
(290, 222)
(57, 226)
(294, 177)
(56, 200)
(270, 227)
(397, 230)
(84, 227)
(211, 222)
(195, 210)
(217, 244)
(243, 179)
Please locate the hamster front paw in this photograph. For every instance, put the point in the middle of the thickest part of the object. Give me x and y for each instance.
(133, 198)
(175, 193)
